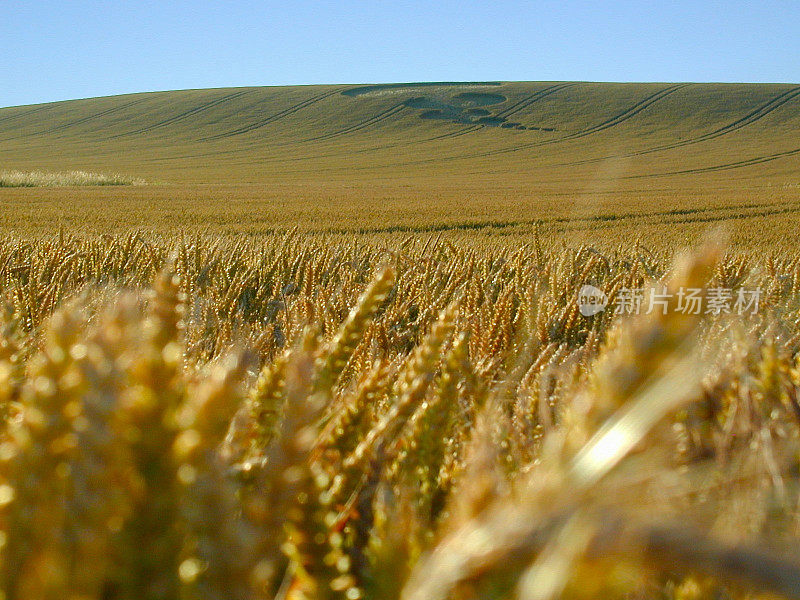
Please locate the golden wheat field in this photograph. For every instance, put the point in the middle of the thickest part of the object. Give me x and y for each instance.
(585, 162)
(412, 342)
(308, 419)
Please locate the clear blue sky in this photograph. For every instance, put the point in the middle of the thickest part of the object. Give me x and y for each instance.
(61, 49)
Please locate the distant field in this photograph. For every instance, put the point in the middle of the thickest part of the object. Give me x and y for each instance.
(587, 160)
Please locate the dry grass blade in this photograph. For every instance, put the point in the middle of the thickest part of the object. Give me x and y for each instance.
(63, 179)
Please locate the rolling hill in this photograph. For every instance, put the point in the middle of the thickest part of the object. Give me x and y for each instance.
(358, 156)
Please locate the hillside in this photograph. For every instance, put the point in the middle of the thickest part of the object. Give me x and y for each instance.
(514, 149)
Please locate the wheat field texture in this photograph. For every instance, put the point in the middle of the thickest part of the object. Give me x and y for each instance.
(330, 343)
(579, 159)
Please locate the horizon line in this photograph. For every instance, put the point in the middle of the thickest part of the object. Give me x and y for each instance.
(399, 83)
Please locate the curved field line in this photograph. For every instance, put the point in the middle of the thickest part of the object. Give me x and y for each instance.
(275, 117)
(533, 98)
(183, 115)
(689, 220)
(24, 113)
(64, 126)
(759, 113)
(595, 221)
(723, 167)
(358, 126)
(513, 109)
(608, 123)
(753, 116)
(627, 114)
(676, 214)
(679, 215)
(382, 116)
(615, 120)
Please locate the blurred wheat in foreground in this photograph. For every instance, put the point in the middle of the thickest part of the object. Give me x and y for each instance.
(301, 419)
(63, 179)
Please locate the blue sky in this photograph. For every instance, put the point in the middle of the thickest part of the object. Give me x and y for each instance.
(61, 49)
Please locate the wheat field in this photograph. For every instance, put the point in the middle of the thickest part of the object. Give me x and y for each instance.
(296, 417)
(454, 341)
(584, 162)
